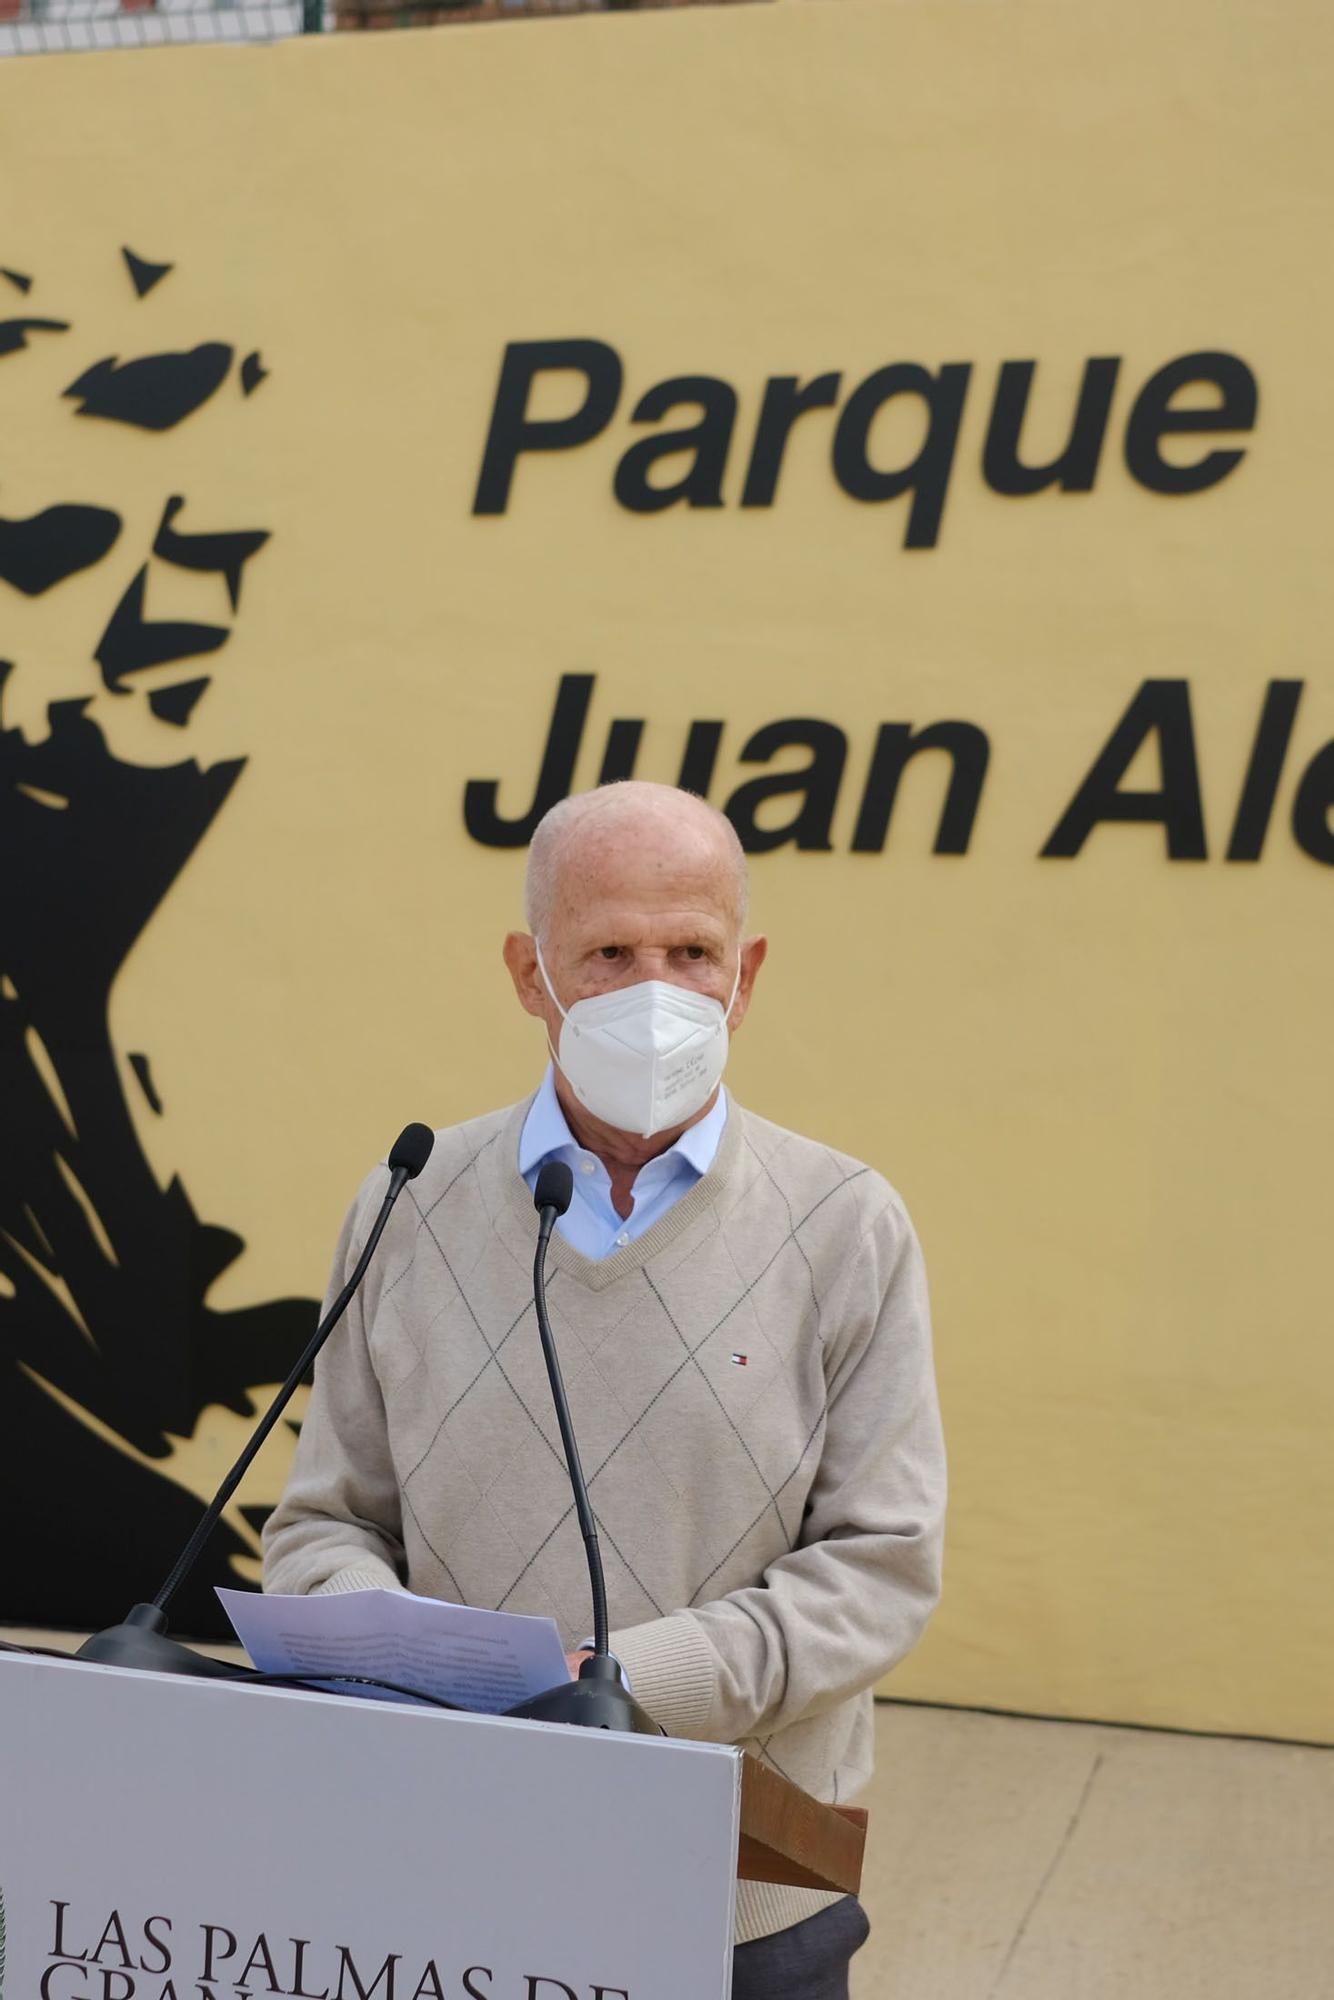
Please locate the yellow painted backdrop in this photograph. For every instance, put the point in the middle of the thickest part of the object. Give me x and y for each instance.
(1102, 1084)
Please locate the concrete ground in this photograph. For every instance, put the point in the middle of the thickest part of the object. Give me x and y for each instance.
(1018, 1860)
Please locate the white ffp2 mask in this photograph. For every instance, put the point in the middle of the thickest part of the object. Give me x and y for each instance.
(645, 1057)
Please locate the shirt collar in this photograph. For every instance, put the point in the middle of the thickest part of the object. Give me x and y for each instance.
(546, 1132)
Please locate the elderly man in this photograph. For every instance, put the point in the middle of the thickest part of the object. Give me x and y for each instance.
(743, 1321)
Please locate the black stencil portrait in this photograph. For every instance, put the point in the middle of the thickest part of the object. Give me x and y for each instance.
(109, 1350)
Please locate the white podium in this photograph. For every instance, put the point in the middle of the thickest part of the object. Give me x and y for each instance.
(180, 1839)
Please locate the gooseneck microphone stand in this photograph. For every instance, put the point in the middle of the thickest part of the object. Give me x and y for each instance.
(598, 1699)
(141, 1640)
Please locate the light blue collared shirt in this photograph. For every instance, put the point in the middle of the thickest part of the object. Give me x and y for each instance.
(590, 1224)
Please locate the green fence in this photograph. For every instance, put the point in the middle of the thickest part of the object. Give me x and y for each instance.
(39, 27)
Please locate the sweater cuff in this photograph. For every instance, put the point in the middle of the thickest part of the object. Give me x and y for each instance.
(367, 1575)
(672, 1671)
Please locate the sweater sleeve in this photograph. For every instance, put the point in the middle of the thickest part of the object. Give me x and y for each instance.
(844, 1606)
(338, 1526)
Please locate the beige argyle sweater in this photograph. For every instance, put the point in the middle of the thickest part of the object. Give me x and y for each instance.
(752, 1389)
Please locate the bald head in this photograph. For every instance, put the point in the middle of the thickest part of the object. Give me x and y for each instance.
(628, 833)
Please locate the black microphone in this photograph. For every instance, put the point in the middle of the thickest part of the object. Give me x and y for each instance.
(141, 1638)
(598, 1699)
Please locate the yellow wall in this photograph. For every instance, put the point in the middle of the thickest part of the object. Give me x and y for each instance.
(1102, 1083)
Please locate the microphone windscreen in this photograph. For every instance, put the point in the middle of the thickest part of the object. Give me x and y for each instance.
(412, 1149)
(555, 1185)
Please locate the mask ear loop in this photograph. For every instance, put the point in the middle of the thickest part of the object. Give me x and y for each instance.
(541, 966)
(727, 1011)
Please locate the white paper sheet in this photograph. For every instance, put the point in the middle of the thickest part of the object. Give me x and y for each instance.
(481, 1660)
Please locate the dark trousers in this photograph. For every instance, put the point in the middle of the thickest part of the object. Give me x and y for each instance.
(808, 1962)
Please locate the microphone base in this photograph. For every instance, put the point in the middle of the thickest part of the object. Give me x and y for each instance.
(597, 1700)
(140, 1641)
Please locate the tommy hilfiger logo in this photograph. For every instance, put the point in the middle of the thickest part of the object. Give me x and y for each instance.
(739, 1360)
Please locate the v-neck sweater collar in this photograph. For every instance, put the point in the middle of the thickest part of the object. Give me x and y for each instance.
(712, 1194)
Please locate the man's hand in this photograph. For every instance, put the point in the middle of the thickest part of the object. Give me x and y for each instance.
(574, 1661)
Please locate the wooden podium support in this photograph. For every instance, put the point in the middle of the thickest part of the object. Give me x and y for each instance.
(178, 1839)
(789, 1837)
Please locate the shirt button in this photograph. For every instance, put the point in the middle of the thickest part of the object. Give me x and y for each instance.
(622, 1239)
(586, 1167)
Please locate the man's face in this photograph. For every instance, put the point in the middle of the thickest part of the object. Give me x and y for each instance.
(649, 899)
